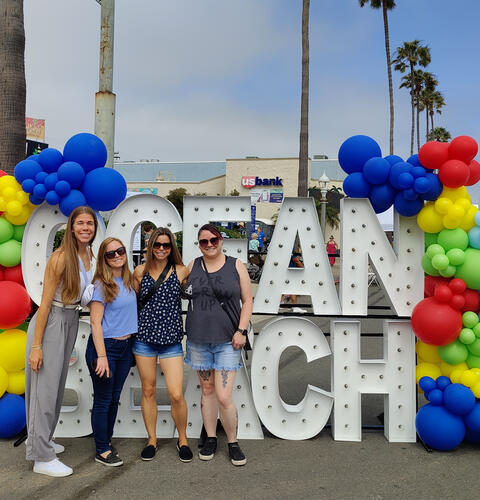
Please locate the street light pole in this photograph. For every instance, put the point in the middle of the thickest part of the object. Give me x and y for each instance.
(323, 201)
(105, 98)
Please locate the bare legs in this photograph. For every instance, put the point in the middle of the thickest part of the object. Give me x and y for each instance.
(217, 387)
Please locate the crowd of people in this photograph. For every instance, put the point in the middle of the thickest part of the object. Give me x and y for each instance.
(136, 318)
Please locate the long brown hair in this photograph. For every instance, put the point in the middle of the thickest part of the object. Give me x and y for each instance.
(104, 274)
(174, 256)
(69, 247)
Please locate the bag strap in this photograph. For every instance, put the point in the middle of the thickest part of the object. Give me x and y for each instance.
(143, 302)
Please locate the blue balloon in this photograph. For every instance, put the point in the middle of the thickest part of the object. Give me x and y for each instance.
(12, 415)
(413, 160)
(70, 202)
(407, 208)
(28, 185)
(427, 384)
(405, 181)
(392, 159)
(376, 170)
(62, 188)
(50, 159)
(71, 172)
(458, 399)
(355, 151)
(33, 157)
(436, 397)
(40, 177)
(26, 169)
(50, 181)
(410, 195)
(36, 201)
(472, 419)
(436, 187)
(39, 191)
(382, 197)
(86, 149)
(421, 185)
(438, 428)
(356, 186)
(104, 189)
(443, 382)
(474, 237)
(52, 198)
(418, 172)
(396, 171)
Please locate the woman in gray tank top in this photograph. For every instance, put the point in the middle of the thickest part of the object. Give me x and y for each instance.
(219, 310)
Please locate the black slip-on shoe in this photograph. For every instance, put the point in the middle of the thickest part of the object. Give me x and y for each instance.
(236, 454)
(184, 453)
(209, 448)
(110, 460)
(148, 453)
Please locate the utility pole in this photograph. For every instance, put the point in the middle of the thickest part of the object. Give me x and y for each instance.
(105, 98)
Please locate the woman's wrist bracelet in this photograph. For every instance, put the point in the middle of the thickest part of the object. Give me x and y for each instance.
(36, 347)
(104, 356)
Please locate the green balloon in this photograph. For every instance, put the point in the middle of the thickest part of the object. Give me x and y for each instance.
(467, 336)
(476, 330)
(453, 238)
(427, 266)
(435, 249)
(470, 319)
(6, 230)
(449, 272)
(18, 232)
(474, 347)
(453, 353)
(10, 253)
(440, 262)
(469, 271)
(456, 256)
(473, 361)
(430, 239)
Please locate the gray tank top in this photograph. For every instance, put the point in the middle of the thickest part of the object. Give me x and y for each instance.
(207, 322)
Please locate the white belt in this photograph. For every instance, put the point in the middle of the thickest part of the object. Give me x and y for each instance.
(76, 306)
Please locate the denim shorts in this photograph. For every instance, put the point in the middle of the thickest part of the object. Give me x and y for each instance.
(152, 350)
(213, 356)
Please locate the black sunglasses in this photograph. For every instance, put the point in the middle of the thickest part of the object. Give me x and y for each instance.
(157, 245)
(213, 241)
(111, 255)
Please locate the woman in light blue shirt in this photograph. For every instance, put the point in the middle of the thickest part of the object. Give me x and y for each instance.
(113, 318)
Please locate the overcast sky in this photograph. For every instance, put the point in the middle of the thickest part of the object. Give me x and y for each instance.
(216, 79)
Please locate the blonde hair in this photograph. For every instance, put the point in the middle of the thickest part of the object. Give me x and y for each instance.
(104, 275)
(69, 247)
(174, 257)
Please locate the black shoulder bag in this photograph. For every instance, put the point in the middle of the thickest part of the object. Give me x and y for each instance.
(247, 345)
(141, 303)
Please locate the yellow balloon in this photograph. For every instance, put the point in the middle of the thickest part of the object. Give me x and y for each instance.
(456, 211)
(448, 369)
(3, 204)
(468, 378)
(8, 181)
(455, 193)
(16, 383)
(12, 350)
(9, 194)
(450, 222)
(427, 370)
(427, 352)
(475, 370)
(464, 203)
(468, 221)
(21, 219)
(428, 220)
(443, 205)
(455, 376)
(14, 208)
(3, 379)
(476, 390)
(22, 197)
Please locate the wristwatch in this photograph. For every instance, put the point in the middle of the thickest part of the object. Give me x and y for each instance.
(243, 332)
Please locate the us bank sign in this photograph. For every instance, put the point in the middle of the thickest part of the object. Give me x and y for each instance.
(257, 397)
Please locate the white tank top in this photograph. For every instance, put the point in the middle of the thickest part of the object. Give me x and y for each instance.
(85, 279)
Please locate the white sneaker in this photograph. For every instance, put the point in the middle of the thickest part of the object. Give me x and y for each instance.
(57, 447)
(54, 468)
(298, 310)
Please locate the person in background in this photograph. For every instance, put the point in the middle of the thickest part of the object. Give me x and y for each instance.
(261, 240)
(51, 336)
(113, 319)
(253, 244)
(332, 248)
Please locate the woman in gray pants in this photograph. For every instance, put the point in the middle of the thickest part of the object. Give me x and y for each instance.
(51, 337)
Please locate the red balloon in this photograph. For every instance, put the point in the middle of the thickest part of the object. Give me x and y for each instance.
(458, 301)
(443, 294)
(474, 176)
(14, 274)
(454, 173)
(433, 154)
(432, 281)
(2, 269)
(15, 304)
(457, 286)
(2, 173)
(472, 301)
(435, 323)
(463, 148)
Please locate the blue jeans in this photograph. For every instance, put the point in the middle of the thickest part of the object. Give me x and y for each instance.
(106, 391)
(205, 357)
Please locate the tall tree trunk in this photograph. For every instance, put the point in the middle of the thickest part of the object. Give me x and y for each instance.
(431, 118)
(412, 134)
(418, 126)
(303, 154)
(12, 84)
(389, 71)
(426, 123)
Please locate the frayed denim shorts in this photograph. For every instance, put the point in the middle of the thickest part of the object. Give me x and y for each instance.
(204, 357)
(148, 350)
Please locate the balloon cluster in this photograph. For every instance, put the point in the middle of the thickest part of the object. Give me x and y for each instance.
(451, 415)
(386, 181)
(10, 243)
(76, 177)
(14, 203)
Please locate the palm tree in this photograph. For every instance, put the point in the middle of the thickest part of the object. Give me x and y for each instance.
(409, 55)
(438, 103)
(12, 84)
(385, 5)
(303, 154)
(439, 134)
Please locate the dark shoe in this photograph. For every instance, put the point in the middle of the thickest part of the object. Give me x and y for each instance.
(209, 448)
(110, 460)
(113, 450)
(184, 453)
(236, 454)
(148, 453)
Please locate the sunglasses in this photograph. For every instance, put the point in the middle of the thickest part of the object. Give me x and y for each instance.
(157, 245)
(204, 242)
(111, 255)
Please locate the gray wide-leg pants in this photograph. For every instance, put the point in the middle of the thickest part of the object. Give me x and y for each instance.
(44, 389)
